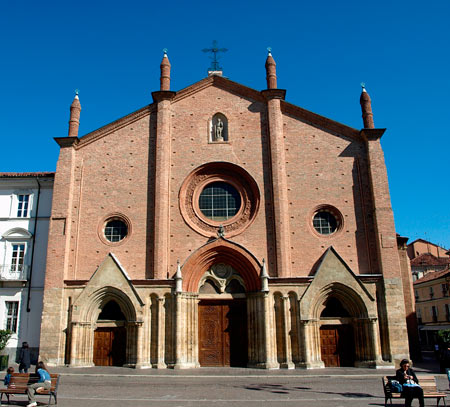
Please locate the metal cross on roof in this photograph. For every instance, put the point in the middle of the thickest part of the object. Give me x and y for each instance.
(215, 60)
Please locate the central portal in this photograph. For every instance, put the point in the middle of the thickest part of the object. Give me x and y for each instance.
(222, 333)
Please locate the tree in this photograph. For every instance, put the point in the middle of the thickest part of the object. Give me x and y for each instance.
(5, 335)
(444, 335)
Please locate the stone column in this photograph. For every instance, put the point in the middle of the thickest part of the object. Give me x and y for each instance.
(310, 344)
(82, 345)
(279, 181)
(186, 351)
(374, 339)
(287, 326)
(140, 360)
(130, 353)
(161, 334)
(162, 183)
(270, 344)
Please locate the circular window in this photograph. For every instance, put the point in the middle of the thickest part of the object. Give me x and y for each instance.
(115, 230)
(219, 194)
(325, 223)
(219, 201)
(326, 220)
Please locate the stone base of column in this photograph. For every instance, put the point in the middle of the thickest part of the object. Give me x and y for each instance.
(311, 365)
(76, 365)
(186, 365)
(264, 365)
(159, 365)
(287, 365)
(374, 364)
(143, 366)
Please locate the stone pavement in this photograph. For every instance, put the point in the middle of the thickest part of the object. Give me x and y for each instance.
(206, 387)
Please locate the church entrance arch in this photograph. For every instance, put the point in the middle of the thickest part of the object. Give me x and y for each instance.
(110, 336)
(223, 274)
(222, 316)
(340, 314)
(336, 335)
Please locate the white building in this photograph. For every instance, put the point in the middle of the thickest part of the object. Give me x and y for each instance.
(25, 207)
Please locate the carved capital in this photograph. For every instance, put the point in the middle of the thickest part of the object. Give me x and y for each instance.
(274, 94)
(67, 141)
(161, 95)
(371, 134)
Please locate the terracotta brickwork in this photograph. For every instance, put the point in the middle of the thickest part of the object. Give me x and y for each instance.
(134, 170)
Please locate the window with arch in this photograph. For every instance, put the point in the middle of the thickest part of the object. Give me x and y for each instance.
(218, 128)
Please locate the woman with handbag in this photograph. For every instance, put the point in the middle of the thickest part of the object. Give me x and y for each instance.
(408, 379)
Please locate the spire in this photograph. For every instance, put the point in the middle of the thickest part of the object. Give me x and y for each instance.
(366, 107)
(178, 279)
(271, 70)
(264, 278)
(74, 122)
(165, 71)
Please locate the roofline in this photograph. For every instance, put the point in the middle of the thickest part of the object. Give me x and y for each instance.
(26, 174)
(309, 117)
(444, 274)
(427, 241)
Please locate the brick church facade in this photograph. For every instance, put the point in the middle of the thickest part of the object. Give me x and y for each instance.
(223, 226)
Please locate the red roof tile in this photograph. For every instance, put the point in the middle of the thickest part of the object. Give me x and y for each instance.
(433, 276)
(427, 259)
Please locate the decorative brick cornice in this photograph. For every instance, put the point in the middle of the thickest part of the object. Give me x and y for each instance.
(115, 125)
(372, 134)
(67, 141)
(161, 95)
(319, 121)
(222, 83)
(269, 94)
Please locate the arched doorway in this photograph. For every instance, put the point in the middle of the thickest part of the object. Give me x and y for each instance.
(110, 336)
(336, 335)
(222, 317)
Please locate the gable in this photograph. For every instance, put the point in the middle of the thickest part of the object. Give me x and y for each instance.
(332, 276)
(110, 276)
(230, 87)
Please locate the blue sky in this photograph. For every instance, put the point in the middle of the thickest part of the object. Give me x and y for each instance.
(111, 51)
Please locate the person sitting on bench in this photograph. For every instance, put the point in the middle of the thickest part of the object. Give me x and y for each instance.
(44, 382)
(408, 379)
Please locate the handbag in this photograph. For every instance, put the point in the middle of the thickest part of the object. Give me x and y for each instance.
(396, 387)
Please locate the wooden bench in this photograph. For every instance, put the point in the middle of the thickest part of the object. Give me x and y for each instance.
(428, 384)
(20, 381)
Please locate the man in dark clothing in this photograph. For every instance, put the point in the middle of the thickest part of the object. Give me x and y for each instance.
(24, 358)
(407, 378)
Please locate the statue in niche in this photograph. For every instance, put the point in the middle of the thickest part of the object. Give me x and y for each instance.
(219, 130)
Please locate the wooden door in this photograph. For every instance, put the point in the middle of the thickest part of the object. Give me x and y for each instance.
(222, 333)
(337, 345)
(109, 346)
(329, 337)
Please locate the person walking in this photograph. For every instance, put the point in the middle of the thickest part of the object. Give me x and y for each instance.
(408, 379)
(44, 382)
(24, 358)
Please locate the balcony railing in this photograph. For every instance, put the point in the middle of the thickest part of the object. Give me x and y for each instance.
(14, 272)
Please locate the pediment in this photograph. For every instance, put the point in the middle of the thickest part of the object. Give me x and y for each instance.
(232, 87)
(110, 275)
(333, 273)
(17, 233)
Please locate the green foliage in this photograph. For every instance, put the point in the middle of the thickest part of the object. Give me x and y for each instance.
(5, 335)
(444, 335)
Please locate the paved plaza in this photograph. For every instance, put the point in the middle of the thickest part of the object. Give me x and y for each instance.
(112, 386)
